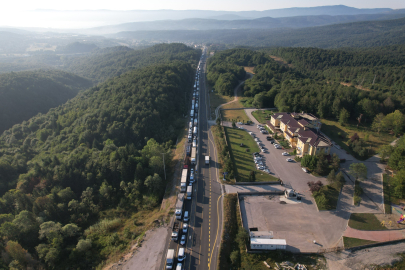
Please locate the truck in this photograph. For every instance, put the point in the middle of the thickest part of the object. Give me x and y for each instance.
(183, 183)
(207, 160)
(193, 156)
(175, 231)
(170, 259)
(179, 206)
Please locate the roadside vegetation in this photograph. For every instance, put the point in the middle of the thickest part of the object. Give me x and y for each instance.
(365, 222)
(224, 157)
(233, 255)
(349, 242)
(387, 194)
(242, 147)
(359, 172)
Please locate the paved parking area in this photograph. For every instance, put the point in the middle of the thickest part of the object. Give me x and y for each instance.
(299, 223)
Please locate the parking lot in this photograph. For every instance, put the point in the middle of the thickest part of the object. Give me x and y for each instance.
(299, 223)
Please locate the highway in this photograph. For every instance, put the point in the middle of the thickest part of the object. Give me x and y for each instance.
(205, 208)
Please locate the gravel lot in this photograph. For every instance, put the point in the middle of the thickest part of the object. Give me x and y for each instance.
(365, 258)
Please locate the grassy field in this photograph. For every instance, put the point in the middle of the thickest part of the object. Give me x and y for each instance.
(333, 128)
(242, 156)
(234, 115)
(249, 69)
(365, 222)
(262, 115)
(350, 242)
(216, 100)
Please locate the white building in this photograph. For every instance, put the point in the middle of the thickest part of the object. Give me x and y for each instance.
(261, 234)
(267, 244)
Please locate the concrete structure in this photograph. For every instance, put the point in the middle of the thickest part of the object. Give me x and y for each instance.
(267, 244)
(302, 131)
(261, 234)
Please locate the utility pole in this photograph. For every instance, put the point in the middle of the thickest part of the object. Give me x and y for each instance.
(164, 165)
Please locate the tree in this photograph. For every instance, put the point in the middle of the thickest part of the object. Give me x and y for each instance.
(252, 176)
(233, 124)
(332, 176)
(385, 151)
(379, 123)
(154, 183)
(358, 170)
(235, 255)
(343, 116)
(218, 121)
(16, 251)
(335, 161)
(395, 121)
(398, 184)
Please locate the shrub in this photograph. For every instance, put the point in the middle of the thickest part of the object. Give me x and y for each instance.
(315, 186)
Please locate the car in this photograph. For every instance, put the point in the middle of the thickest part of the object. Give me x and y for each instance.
(289, 159)
(262, 168)
(285, 154)
(255, 153)
(240, 123)
(276, 146)
(264, 150)
(304, 169)
(186, 216)
(250, 133)
(267, 171)
(191, 171)
(264, 132)
(259, 126)
(183, 240)
(269, 138)
(241, 128)
(192, 176)
(185, 227)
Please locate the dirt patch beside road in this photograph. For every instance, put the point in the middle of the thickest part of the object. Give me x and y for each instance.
(150, 251)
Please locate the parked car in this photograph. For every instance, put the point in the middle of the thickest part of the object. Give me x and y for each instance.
(241, 128)
(239, 123)
(289, 159)
(285, 154)
(267, 171)
(304, 169)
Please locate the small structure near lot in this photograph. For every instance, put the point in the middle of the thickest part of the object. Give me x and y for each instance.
(267, 244)
(261, 234)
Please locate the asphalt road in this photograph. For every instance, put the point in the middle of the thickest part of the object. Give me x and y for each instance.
(205, 207)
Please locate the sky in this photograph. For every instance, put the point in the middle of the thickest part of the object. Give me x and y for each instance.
(19, 13)
(230, 5)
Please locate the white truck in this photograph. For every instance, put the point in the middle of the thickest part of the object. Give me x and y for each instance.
(170, 259)
(193, 156)
(179, 206)
(189, 192)
(183, 183)
(175, 231)
(207, 160)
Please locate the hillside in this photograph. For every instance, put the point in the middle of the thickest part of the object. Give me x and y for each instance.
(112, 62)
(259, 23)
(75, 179)
(356, 34)
(25, 94)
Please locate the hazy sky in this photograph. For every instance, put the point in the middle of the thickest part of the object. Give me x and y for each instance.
(231, 5)
(18, 13)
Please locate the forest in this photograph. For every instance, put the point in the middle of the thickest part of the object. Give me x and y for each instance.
(70, 178)
(25, 94)
(355, 34)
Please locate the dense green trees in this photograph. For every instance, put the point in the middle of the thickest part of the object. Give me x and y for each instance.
(25, 94)
(60, 172)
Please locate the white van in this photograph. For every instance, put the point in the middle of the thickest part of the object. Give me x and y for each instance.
(182, 255)
(179, 266)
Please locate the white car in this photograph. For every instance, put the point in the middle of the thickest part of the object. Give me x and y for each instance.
(289, 159)
(257, 140)
(185, 227)
(241, 128)
(304, 169)
(240, 123)
(267, 171)
(183, 240)
(285, 154)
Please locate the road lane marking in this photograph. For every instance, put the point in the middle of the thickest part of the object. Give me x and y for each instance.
(209, 265)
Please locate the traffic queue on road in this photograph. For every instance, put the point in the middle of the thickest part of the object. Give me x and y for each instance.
(188, 177)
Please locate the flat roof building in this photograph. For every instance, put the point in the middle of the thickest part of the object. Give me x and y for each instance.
(267, 244)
